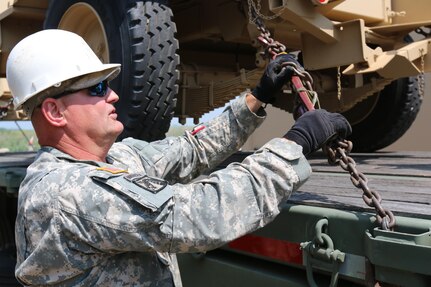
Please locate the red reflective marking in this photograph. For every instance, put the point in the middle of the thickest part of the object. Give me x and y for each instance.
(197, 129)
(273, 248)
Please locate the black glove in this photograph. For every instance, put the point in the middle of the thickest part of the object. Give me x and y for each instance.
(314, 128)
(275, 76)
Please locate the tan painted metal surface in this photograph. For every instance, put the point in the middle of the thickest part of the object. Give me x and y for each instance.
(417, 138)
(362, 37)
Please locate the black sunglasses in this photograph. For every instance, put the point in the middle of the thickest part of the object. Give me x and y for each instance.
(98, 90)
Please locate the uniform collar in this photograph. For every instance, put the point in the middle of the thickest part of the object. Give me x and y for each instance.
(67, 157)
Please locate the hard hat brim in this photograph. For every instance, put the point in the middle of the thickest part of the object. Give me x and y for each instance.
(108, 72)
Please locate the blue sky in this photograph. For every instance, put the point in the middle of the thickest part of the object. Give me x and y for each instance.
(25, 125)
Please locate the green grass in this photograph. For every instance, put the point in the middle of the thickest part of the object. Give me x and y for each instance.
(15, 141)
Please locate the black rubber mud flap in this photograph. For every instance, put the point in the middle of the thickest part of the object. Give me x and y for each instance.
(392, 112)
(140, 36)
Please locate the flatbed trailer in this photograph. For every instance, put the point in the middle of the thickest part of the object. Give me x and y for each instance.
(325, 236)
(287, 252)
(403, 179)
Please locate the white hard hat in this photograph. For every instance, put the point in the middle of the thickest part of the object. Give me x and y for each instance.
(51, 62)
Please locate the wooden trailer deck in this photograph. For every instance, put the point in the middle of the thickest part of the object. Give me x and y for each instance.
(403, 179)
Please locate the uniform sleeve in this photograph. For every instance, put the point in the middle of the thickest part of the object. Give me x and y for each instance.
(180, 159)
(142, 213)
(236, 200)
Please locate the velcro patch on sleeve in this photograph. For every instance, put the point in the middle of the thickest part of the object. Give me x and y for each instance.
(146, 190)
(146, 182)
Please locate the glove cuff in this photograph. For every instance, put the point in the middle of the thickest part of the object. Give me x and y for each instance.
(300, 139)
(259, 94)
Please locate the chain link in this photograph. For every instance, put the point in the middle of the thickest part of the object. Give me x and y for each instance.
(338, 155)
(339, 83)
(337, 151)
(272, 48)
(339, 87)
(422, 75)
(257, 7)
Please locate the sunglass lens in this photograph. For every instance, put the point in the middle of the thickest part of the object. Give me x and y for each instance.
(99, 90)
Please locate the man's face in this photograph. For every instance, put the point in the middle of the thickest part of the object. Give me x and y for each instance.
(93, 117)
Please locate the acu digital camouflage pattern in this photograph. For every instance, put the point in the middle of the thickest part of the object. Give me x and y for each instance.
(83, 223)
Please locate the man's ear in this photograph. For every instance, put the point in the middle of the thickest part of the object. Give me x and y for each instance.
(52, 110)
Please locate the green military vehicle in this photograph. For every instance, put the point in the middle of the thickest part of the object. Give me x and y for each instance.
(184, 58)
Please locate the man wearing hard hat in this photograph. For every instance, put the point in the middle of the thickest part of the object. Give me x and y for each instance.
(92, 212)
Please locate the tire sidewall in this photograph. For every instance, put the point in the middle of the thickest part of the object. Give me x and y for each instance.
(395, 110)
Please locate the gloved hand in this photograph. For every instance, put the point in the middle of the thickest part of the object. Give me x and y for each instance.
(314, 128)
(275, 77)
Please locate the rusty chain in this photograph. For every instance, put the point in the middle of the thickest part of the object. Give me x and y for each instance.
(272, 47)
(337, 153)
(338, 150)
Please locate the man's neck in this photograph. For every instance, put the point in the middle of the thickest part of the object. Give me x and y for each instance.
(90, 151)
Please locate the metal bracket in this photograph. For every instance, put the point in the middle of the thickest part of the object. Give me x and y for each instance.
(320, 252)
(400, 257)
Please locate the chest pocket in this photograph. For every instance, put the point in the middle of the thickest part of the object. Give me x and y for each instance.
(148, 191)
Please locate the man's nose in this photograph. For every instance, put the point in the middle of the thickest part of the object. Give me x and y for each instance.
(112, 96)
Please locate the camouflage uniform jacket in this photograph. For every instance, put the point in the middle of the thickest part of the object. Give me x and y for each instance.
(86, 223)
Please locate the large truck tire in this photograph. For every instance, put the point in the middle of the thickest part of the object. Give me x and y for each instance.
(141, 36)
(383, 118)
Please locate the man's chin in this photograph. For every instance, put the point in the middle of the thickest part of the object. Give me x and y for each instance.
(116, 129)
(120, 128)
